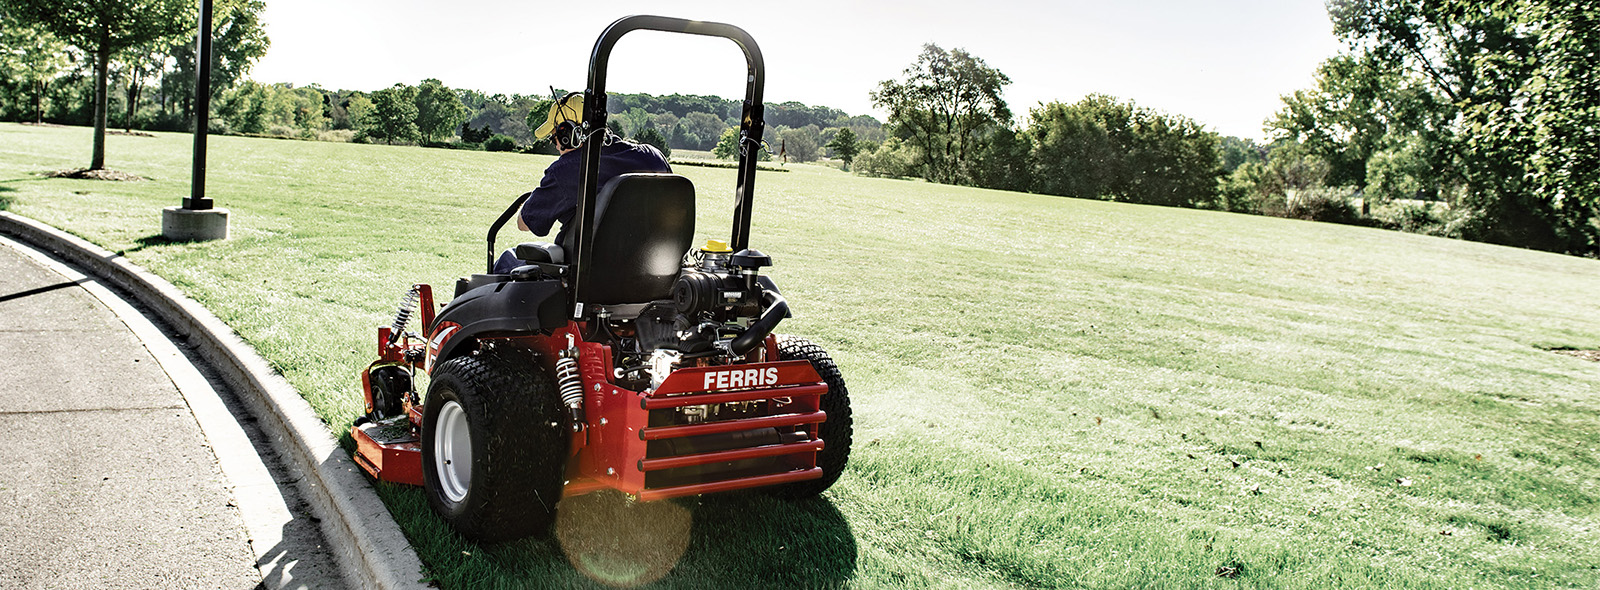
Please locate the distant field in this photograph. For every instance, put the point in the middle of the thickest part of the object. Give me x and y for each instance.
(1049, 393)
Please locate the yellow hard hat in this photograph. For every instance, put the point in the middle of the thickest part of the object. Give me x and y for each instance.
(568, 108)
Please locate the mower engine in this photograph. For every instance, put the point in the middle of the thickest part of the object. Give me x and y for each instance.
(721, 307)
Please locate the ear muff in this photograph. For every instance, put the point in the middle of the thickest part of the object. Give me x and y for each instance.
(567, 132)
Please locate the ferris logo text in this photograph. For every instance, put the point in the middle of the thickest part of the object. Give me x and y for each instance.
(744, 378)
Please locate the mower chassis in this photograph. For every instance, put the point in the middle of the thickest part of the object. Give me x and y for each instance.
(612, 450)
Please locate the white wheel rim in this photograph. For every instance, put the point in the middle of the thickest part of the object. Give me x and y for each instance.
(452, 452)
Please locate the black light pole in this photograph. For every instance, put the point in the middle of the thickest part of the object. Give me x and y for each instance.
(197, 219)
(202, 114)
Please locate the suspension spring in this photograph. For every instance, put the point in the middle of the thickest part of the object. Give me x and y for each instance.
(408, 306)
(570, 386)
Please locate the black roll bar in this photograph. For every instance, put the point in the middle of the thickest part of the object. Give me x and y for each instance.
(751, 127)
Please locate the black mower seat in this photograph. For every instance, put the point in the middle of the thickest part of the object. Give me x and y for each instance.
(644, 223)
(540, 252)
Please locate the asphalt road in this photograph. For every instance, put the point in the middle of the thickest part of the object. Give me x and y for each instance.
(108, 478)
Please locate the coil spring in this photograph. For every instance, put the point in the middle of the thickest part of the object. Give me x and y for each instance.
(570, 384)
(408, 305)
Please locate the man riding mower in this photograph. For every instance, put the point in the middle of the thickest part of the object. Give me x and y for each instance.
(630, 360)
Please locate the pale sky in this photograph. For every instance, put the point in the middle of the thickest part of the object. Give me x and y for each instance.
(1223, 63)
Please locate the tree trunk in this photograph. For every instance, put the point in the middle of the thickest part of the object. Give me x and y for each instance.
(38, 101)
(102, 60)
(133, 100)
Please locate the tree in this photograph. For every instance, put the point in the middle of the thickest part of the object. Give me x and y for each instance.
(1006, 162)
(33, 56)
(244, 108)
(538, 112)
(237, 41)
(138, 65)
(946, 98)
(653, 136)
(1356, 110)
(1512, 111)
(664, 122)
(480, 135)
(1103, 148)
(802, 143)
(1396, 173)
(1076, 153)
(393, 116)
(358, 109)
(439, 110)
(727, 147)
(498, 118)
(844, 145)
(705, 126)
(638, 120)
(1238, 151)
(682, 138)
(106, 28)
(309, 106)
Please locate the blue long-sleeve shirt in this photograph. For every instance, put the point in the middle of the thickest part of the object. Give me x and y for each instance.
(556, 199)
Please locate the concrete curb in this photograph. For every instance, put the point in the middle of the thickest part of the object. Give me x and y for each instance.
(371, 549)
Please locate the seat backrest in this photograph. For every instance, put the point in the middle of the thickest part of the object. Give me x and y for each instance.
(644, 223)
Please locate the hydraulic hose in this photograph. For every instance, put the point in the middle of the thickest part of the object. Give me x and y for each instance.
(777, 308)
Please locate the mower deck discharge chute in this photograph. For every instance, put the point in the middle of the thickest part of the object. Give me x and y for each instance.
(632, 360)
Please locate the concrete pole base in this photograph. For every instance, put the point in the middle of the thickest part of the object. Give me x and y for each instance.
(192, 225)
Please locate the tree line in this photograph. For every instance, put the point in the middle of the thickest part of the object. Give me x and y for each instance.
(1472, 119)
(949, 123)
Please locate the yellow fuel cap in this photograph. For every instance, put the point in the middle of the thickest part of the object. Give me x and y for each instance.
(716, 246)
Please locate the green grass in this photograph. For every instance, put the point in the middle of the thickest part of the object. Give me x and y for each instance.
(1048, 392)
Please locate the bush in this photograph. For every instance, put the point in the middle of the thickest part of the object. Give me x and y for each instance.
(1421, 218)
(283, 131)
(500, 143)
(339, 135)
(1240, 192)
(1322, 203)
(479, 135)
(543, 148)
(1395, 174)
(892, 159)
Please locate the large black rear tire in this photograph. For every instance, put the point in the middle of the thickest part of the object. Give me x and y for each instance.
(494, 448)
(835, 432)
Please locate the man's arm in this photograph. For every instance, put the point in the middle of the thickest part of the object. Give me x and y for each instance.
(554, 197)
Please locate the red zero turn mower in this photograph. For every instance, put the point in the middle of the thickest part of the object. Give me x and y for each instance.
(632, 363)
